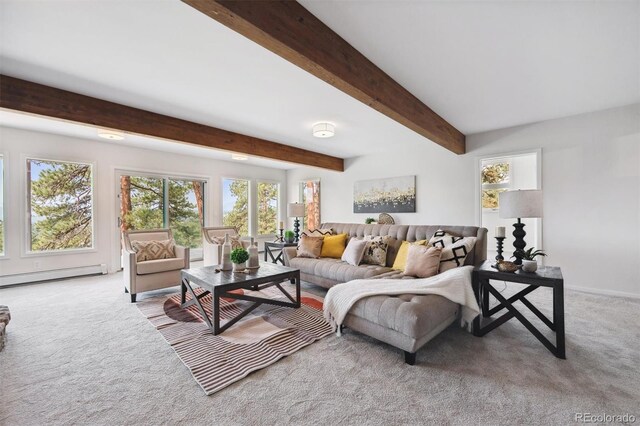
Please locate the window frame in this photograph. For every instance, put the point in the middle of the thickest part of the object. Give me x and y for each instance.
(26, 251)
(3, 158)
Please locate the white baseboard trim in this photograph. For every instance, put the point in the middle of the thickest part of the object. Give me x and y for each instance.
(603, 292)
(55, 274)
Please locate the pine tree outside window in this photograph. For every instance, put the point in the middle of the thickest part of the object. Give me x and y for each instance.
(268, 194)
(60, 204)
(235, 204)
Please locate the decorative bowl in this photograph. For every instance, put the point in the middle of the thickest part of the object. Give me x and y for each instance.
(506, 266)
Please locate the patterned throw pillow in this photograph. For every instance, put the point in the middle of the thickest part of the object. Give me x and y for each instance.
(153, 250)
(310, 247)
(454, 249)
(376, 251)
(318, 232)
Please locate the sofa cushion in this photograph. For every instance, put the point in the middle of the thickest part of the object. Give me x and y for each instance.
(335, 269)
(401, 258)
(376, 251)
(333, 246)
(354, 251)
(412, 315)
(423, 261)
(310, 246)
(322, 232)
(159, 265)
(454, 249)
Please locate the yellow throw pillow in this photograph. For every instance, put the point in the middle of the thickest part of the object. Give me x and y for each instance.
(401, 258)
(333, 246)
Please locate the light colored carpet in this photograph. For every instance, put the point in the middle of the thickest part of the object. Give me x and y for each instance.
(79, 353)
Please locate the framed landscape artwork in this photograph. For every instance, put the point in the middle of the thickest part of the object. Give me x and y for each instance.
(389, 195)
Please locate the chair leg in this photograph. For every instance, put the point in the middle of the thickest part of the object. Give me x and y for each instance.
(410, 358)
(133, 298)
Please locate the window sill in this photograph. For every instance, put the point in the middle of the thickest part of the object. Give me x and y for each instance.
(58, 252)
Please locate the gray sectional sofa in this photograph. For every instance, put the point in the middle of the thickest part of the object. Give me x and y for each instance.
(407, 321)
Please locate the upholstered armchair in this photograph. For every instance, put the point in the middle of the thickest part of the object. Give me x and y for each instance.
(140, 276)
(211, 246)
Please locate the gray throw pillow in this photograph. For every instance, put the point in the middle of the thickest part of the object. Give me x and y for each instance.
(354, 251)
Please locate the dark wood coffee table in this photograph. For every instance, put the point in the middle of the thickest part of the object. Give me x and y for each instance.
(220, 284)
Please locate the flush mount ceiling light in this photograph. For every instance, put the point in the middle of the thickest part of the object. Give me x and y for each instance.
(239, 157)
(111, 135)
(324, 130)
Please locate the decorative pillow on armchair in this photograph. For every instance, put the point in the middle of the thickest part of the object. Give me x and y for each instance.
(153, 250)
(310, 247)
(454, 249)
(376, 251)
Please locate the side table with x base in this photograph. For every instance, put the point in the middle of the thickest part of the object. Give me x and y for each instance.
(545, 277)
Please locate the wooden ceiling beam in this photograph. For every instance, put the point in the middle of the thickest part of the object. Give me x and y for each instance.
(289, 30)
(34, 98)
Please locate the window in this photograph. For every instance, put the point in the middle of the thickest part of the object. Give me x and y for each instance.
(186, 211)
(235, 204)
(1, 206)
(151, 202)
(267, 208)
(60, 205)
(310, 196)
(496, 178)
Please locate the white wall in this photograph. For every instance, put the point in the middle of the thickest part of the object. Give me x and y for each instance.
(590, 179)
(16, 145)
(591, 185)
(443, 193)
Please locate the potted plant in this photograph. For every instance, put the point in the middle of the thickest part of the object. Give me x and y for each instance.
(239, 259)
(369, 220)
(289, 236)
(529, 262)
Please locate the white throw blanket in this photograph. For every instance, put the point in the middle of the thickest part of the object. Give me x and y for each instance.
(454, 284)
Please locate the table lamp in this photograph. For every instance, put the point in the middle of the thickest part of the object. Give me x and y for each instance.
(520, 204)
(296, 210)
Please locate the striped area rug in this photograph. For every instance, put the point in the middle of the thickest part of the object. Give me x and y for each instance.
(255, 342)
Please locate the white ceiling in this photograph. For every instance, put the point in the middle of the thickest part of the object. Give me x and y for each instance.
(481, 65)
(485, 65)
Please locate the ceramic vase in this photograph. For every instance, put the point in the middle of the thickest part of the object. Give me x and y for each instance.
(225, 262)
(239, 266)
(529, 265)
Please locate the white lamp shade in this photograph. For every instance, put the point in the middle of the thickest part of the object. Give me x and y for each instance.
(295, 210)
(521, 203)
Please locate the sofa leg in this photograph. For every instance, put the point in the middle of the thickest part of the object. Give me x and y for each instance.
(126, 290)
(133, 298)
(410, 358)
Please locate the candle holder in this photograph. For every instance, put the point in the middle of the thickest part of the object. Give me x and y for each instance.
(499, 257)
(280, 238)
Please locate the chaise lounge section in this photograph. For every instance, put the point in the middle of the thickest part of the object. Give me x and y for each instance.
(407, 321)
